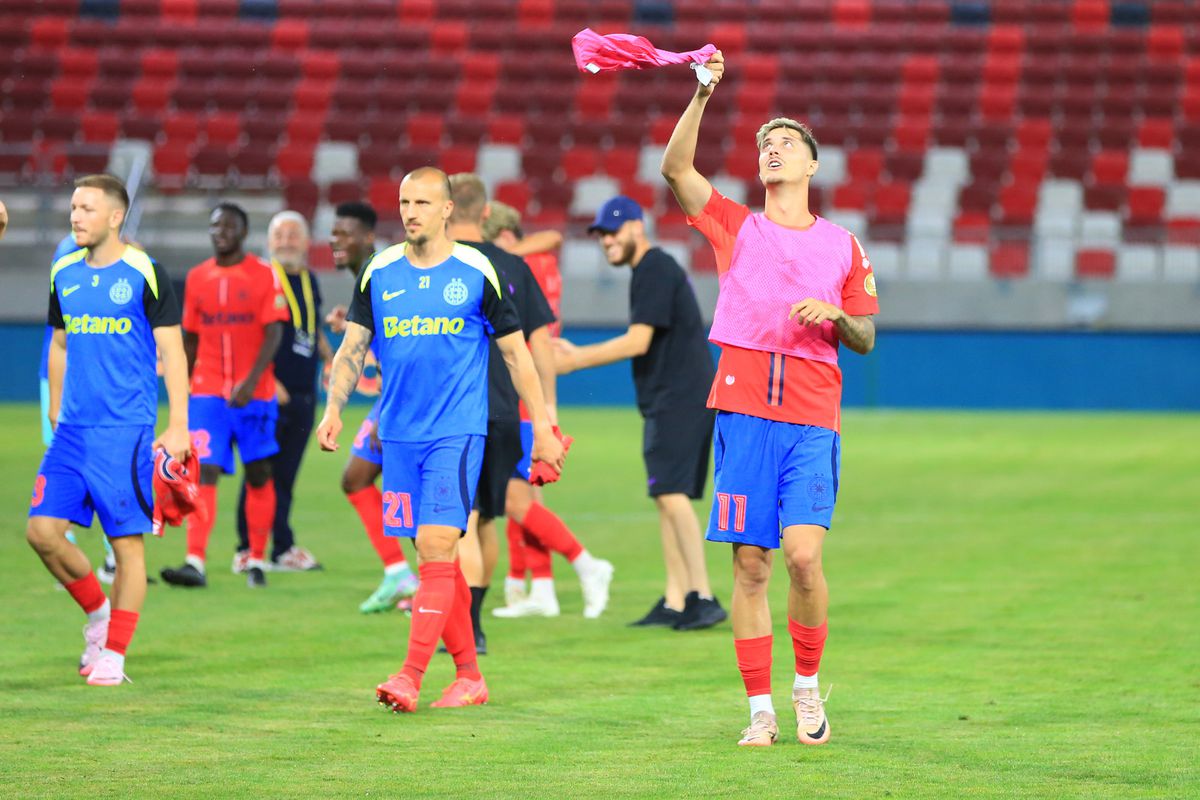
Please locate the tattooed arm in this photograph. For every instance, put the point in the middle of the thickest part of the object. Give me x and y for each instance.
(347, 366)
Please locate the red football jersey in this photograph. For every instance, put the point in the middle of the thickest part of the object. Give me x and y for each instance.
(229, 309)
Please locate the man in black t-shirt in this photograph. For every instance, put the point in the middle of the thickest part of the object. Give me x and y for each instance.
(297, 364)
(672, 374)
(504, 449)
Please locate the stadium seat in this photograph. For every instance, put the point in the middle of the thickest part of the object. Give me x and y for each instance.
(1009, 260)
(1137, 263)
(294, 161)
(1095, 263)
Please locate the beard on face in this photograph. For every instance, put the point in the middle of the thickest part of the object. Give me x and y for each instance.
(417, 241)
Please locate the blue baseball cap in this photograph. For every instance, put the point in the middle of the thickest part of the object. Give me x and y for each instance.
(615, 213)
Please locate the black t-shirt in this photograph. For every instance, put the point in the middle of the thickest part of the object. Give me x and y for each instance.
(296, 362)
(677, 371)
(516, 279)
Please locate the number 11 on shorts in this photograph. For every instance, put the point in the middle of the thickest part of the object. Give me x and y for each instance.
(394, 502)
(739, 511)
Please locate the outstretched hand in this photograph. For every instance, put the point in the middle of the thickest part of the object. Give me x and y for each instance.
(715, 65)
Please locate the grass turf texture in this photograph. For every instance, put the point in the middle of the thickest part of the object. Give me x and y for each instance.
(1014, 615)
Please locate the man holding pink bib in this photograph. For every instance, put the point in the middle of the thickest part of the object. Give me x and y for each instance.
(792, 287)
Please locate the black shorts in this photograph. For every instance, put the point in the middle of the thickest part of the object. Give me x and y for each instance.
(501, 453)
(676, 448)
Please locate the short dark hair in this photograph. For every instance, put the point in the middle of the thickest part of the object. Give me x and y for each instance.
(469, 194)
(107, 184)
(233, 208)
(363, 212)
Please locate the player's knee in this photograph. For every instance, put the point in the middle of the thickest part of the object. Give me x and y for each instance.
(40, 538)
(352, 482)
(804, 566)
(751, 570)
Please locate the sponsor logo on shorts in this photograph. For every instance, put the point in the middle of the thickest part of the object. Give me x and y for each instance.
(96, 324)
(422, 326)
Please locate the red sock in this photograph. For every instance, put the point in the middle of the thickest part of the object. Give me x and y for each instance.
(537, 557)
(808, 643)
(754, 662)
(516, 549)
(260, 518)
(120, 630)
(432, 607)
(87, 592)
(548, 529)
(459, 634)
(198, 529)
(368, 503)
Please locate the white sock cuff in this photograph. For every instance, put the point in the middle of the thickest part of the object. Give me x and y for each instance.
(761, 702)
(397, 569)
(805, 681)
(103, 612)
(196, 562)
(583, 562)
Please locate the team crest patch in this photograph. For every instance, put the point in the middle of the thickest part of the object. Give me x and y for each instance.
(121, 292)
(455, 292)
(869, 284)
(819, 490)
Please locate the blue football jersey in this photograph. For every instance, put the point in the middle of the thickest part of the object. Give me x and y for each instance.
(432, 327)
(109, 314)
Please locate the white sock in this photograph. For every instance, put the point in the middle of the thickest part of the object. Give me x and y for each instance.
(583, 563)
(397, 569)
(256, 562)
(101, 613)
(541, 586)
(196, 562)
(761, 702)
(120, 659)
(805, 681)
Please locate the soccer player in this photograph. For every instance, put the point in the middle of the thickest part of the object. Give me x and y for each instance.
(433, 304)
(353, 243)
(111, 307)
(792, 286)
(108, 569)
(502, 227)
(672, 368)
(297, 362)
(233, 316)
(498, 494)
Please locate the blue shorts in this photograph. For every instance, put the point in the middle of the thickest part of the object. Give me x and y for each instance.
(770, 475)
(362, 440)
(526, 462)
(107, 472)
(216, 425)
(430, 483)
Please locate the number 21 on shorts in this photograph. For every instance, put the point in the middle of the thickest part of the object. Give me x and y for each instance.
(393, 502)
(738, 501)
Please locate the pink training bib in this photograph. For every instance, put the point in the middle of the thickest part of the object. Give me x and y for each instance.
(773, 267)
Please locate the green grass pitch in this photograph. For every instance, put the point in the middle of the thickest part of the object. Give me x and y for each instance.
(1015, 613)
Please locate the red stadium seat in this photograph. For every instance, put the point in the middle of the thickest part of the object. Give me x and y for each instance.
(171, 165)
(425, 130)
(1017, 204)
(111, 94)
(67, 94)
(100, 127)
(181, 126)
(179, 10)
(305, 128)
(851, 197)
(48, 32)
(415, 11)
(223, 128)
(1093, 263)
(1165, 43)
(973, 227)
(516, 194)
(151, 94)
(159, 63)
(1009, 260)
(58, 126)
(252, 161)
(140, 126)
(1104, 197)
(289, 35)
(506, 129)
(457, 159)
(294, 161)
(320, 65)
(865, 165)
(302, 195)
(1110, 167)
(889, 204)
(448, 38)
(313, 97)
(78, 63)
(1090, 15)
(1145, 205)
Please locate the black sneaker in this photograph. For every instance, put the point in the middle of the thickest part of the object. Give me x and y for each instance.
(255, 577)
(187, 576)
(700, 612)
(660, 615)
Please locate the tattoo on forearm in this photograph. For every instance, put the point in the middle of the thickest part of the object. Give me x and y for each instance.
(347, 366)
(857, 334)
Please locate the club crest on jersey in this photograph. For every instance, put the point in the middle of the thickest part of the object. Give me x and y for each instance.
(455, 292)
(121, 292)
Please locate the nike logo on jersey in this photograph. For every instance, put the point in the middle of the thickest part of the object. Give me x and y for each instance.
(392, 295)
(424, 610)
(67, 291)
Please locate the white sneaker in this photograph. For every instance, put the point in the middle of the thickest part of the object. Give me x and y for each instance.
(108, 672)
(595, 585)
(514, 591)
(295, 559)
(95, 634)
(542, 602)
(241, 561)
(106, 573)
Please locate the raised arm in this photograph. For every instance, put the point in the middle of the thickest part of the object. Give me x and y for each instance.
(175, 439)
(691, 189)
(347, 366)
(630, 344)
(546, 447)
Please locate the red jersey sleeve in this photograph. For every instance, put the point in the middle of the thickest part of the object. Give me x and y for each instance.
(191, 301)
(274, 306)
(719, 221)
(858, 292)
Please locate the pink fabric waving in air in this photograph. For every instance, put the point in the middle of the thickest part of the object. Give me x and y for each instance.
(626, 51)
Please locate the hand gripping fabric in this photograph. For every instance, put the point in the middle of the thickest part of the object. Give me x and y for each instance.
(595, 53)
(542, 473)
(176, 490)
